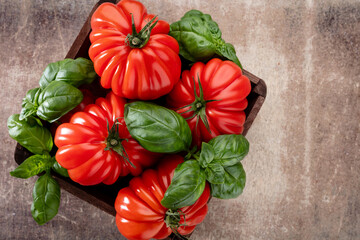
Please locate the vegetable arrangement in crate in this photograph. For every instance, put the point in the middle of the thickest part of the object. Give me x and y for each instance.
(171, 116)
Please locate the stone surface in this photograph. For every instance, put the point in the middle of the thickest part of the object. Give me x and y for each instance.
(303, 166)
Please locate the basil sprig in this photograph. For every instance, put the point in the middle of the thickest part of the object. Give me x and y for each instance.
(56, 96)
(218, 163)
(157, 128)
(46, 199)
(30, 133)
(199, 38)
(58, 93)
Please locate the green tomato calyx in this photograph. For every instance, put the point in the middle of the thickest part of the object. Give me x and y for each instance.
(198, 107)
(139, 39)
(172, 220)
(113, 141)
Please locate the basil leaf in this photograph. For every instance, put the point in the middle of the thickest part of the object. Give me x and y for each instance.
(186, 186)
(33, 165)
(199, 38)
(233, 185)
(60, 170)
(227, 50)
(229, 149)
(215, 173)
(29, 134)
(206, 155)
(157, 128)
(29, 103)
(75, 72)
(46, 199)
(57, 99)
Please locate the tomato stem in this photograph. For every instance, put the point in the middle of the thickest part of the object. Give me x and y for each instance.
(172, 220)
(198, 106)
(139, 39)
(113, 141)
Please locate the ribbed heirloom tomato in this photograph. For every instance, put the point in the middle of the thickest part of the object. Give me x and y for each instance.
(132, 52)
(95, 146)
(140, 214)
(212, 97)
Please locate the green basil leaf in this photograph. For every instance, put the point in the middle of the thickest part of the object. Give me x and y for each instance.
(186, 186)
(227, 50)
(57, 99)
(60, 170)
(75, 72)
(157, 128)
(199, 38)
(215, 173)
(29, 134)
(46, 199)
(33, 165)
(206, 155)
(233, 185)
(229, 149)
(29, 103)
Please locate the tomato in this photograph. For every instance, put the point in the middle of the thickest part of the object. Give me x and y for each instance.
(218, 105)
(140, 214)
(132, 52)
(95, 146)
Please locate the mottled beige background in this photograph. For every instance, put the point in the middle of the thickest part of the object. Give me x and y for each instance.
(303, 177)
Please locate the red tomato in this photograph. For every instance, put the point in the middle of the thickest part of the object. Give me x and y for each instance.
(132, 52)
(140, 214)
(95, 146)
(217, 108)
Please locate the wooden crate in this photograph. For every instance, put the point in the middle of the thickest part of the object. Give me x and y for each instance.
(103, 196)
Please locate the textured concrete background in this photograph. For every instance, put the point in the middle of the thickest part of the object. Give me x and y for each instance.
(303, 179)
